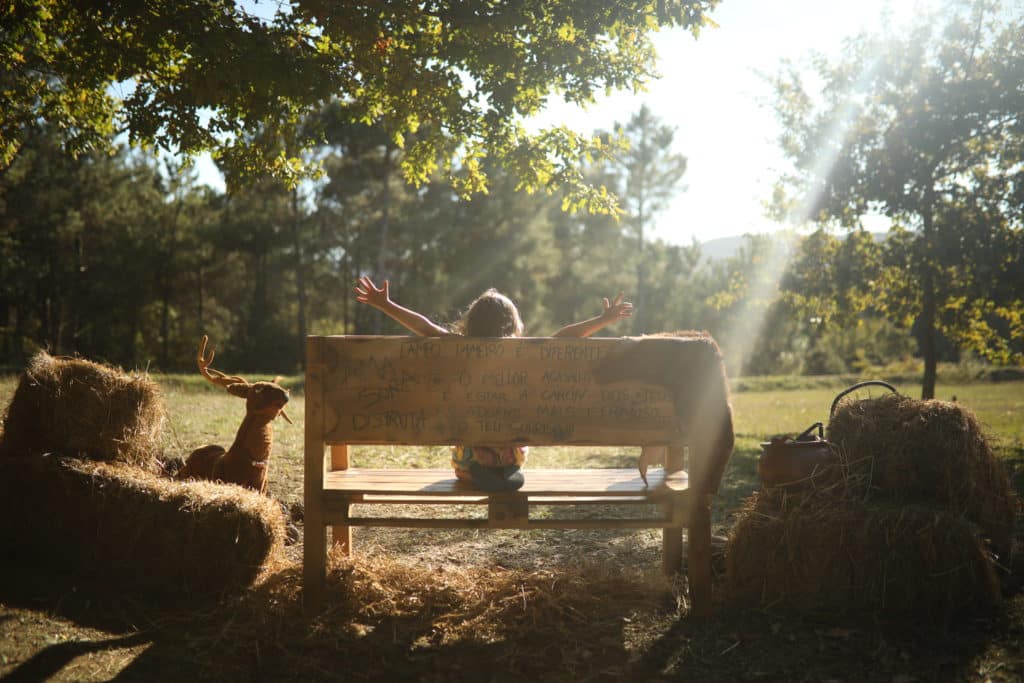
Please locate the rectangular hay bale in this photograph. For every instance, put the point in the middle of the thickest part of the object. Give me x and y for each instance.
(78, 408)
(848, 557)
(122, 526)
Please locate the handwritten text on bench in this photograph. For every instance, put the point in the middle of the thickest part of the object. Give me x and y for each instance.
(443, 389)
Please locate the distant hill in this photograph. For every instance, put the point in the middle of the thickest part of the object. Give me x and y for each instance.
(721, 247)
(727, 247)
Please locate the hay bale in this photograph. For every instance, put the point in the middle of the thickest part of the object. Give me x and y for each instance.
(930, 452)
(849, 557)
(78, 408)
(117, 525)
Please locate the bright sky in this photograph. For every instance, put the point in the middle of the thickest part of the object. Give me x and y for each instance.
(711, 91)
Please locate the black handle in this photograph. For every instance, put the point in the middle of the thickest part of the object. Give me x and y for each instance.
(807, 432)
(855, 387)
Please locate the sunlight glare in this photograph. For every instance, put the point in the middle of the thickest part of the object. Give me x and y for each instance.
(763, 282)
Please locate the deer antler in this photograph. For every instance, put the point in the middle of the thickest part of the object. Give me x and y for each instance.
(214, 376)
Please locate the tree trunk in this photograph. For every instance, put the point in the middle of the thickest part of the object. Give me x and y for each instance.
(257, 316)
(300, 279)
(200, 286)
(167, 276)
(133, 331)
(165, 323)
(639, 315)
(48, 291)
(59, 326)
(928, 342)
(928, 334)
(358, 265)
(384, 227)
(21, 333)
(7, 336)
(347, 277)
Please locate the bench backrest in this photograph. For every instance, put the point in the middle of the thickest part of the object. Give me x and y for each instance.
(537, 391)
(413, 390)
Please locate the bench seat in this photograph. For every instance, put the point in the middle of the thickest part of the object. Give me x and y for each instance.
(485, 498)
(604, 484)
(507, 510)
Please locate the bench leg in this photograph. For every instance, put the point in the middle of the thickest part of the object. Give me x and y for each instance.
(314, 561)
(699, 556)
(671, 543)
(672, 537)
(508, 512)
(671, 549)
(341, 535)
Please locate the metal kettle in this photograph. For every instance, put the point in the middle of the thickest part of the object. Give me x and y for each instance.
(787, 460)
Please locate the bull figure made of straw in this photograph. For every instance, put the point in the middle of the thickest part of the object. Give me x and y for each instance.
(246, 462)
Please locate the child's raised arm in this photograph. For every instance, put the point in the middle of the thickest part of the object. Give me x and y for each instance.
(370, 294)
(612, 312)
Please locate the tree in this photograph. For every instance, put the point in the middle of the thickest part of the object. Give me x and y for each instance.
(827, 288)
(673, 290)
(86, 243)
(649, 174)
(594, 256)
(829, 278)
(928, 129)
(257, 226)
(363, 209)
(41, 230)
(175, 244)
(460, 76)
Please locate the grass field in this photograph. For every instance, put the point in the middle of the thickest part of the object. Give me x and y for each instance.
(598, 610)
(199, 414)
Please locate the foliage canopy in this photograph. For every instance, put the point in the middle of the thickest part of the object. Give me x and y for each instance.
(928, 129)
(450, 82)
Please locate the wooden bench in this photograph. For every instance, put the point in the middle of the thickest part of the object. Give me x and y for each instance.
(534, 391)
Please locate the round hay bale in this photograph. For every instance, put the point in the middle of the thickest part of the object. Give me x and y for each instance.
(117, 525)
(930, 452)
(78, 408)
(851, 557)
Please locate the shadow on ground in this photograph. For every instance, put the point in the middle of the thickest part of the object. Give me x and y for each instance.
(391, 621)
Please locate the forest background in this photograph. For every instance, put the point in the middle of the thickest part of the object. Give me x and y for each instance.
(113, 253)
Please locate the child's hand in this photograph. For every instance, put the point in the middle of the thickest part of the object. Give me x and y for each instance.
(368, 293)
(616, 309)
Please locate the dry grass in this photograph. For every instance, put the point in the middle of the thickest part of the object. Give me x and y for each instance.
(396, 618)
(551, 615)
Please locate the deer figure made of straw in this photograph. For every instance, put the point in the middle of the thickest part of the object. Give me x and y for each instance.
(246, 462)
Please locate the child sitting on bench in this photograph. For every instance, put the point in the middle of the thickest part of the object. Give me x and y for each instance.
(492, 314)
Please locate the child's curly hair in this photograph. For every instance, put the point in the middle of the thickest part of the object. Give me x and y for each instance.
(492, 314)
